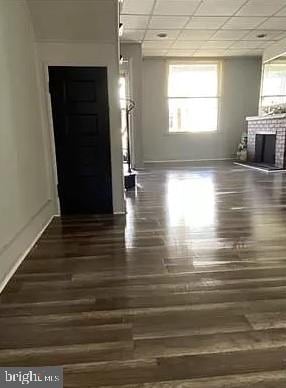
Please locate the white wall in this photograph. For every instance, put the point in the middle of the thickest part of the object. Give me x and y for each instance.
(26, 196)
(240, 98)
(133, 52)
(92, 54)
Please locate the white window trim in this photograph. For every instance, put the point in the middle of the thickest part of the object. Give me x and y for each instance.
(261, 96)
(219, 64)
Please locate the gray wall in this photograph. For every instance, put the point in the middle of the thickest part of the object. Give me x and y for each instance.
(240, 98)
(26, 194)
(133, 52)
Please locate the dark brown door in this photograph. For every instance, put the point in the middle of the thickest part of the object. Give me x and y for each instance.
(79, 99)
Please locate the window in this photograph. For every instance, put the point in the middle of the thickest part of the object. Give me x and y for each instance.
(274, 84)
(193, 96)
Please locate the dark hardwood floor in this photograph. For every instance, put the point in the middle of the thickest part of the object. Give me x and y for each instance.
(189, 290)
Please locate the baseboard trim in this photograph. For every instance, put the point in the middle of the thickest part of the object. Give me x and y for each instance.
(24, 255)
(186, 160)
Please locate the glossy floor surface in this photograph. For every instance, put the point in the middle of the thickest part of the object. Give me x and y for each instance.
(188, 291)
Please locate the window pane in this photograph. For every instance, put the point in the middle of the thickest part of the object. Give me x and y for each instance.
(267, 101)
(193, 114)
(274, 79)
(193, 80)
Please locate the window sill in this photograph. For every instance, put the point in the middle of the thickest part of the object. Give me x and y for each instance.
(191, 133)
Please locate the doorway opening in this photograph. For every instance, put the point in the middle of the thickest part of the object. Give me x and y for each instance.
(80, 111)
(127, 106)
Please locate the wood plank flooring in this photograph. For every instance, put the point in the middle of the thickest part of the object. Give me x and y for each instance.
(187, 290)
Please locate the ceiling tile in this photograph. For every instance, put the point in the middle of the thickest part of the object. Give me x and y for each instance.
(282, 12)
(180, 53)
(270, 35)
(131, 22)
(229, 34)
(196, 34)
(246, 44)
(209, 53)
(153, 34)
(195, 44)
(243, 52)
(155, 44)
(175, 7)
(258, 51)
(281, 36)
(265, 43)
(209, 23)
(216, 44)
(274, 23)
(154, 53)
(168, 22)
(137, 7)
(219, 7)
(236, 52)
(133, 35)
(243, 23)
(261, 7)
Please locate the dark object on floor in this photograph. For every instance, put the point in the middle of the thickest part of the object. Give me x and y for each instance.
(130, 180)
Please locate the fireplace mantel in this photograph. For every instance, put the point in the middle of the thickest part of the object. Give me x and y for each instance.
(268, 125)
(269, 117)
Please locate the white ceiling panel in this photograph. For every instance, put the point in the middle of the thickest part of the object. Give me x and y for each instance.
(219, 7)
(261, 7)
(282, 12)
(154, 44)
(133, 35)
(134, 22)
(184, 44)
(217, 44)
(243, 23)
(246, 44)
(196, 34)
(229, 34)
(243, 52)
(270, 35)
(208, 23)
(209, 53)
(204, 27)
(137, 6)
(265, 43)
(274, 23)
(154, 53)
(237, 52)
(175, 7)
(180, 53)
(153, 34)
(168, 22)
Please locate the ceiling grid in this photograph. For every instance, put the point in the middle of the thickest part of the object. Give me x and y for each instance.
(204, 27)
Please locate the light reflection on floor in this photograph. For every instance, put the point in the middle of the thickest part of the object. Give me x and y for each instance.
(191, 202)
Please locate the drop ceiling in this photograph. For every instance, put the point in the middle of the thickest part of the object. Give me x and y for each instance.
(204, 27)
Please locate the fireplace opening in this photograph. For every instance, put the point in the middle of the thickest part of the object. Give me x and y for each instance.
(265, 149)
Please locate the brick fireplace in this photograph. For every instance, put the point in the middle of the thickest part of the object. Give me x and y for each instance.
(259, 129)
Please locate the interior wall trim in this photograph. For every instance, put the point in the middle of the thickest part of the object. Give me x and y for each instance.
(24, 255)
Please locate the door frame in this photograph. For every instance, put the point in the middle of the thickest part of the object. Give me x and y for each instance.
(46, 101)
(127, 74)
